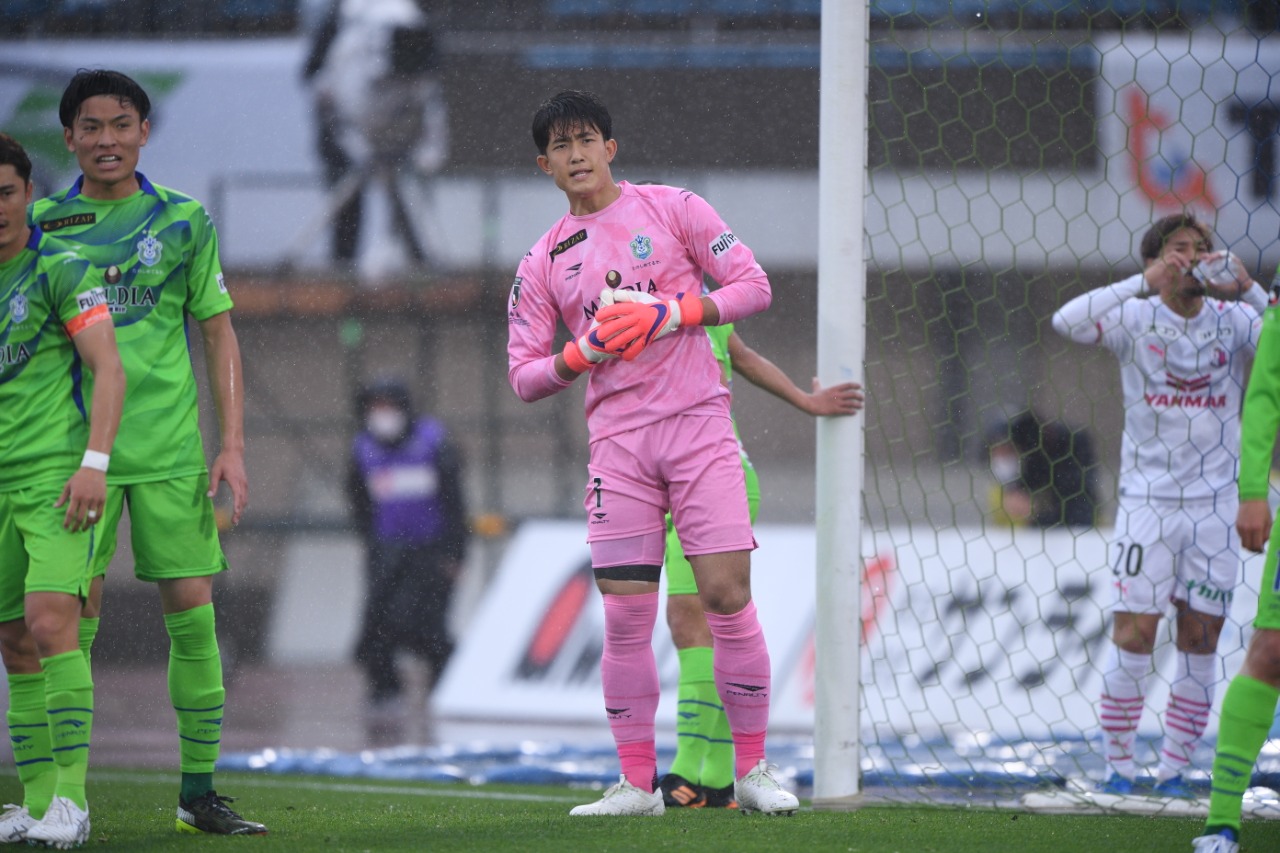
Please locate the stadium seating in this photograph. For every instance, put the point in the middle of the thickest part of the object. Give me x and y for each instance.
(143, 17)
(1062, 14)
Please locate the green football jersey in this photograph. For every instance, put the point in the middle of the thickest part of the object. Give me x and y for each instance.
(47, 295)
(1260, 416)
(157, 254)
(719, 336)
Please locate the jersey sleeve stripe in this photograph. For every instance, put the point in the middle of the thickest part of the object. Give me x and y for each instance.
(84, 320)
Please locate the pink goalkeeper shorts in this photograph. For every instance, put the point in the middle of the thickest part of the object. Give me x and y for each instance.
(687, 464)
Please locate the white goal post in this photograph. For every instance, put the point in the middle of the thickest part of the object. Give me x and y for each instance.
(841, 346)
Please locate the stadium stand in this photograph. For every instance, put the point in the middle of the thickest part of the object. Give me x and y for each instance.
(268, 17)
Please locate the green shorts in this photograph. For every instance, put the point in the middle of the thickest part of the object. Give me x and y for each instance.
(679, 571)
(172, 529)
(36, 553)
(1269, 592)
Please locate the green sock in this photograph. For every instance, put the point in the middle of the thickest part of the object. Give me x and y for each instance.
(717, 765)
(68, 700)
(696, 705)
(195, 688)
(1248, 708)
(29, 734)
(88, 632)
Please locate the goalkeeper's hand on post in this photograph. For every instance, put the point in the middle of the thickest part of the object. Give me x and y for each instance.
(643, 319)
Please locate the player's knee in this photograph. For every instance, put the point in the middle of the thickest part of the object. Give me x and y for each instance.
(687, 622)
(181, 594)
(53, 631)
(1263, 658)
(18, 648)
(725, 600)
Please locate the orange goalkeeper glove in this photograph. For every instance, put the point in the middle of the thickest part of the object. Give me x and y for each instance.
(643, 319)
(588, 350)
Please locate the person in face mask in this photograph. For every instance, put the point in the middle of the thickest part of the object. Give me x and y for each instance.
(1010, 502)
(405, 486)
(1044, 473)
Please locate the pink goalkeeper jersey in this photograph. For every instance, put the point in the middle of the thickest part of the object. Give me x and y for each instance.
(656, 239)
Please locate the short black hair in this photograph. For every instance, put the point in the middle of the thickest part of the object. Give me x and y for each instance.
(569, 109)
(391, 389)
(1157, 235)
(89, 83)
(13, 154)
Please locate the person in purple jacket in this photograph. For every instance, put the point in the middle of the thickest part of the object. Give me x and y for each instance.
(405, 485)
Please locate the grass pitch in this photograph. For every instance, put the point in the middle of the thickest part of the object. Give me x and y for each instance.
(134, 811)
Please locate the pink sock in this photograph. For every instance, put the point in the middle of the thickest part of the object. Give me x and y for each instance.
(629, 675)
(743, 681)
(1190, 698)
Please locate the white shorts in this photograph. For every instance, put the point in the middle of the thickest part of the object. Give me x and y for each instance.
(1163, 551)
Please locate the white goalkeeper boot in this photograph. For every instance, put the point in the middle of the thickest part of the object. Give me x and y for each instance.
(624, 799)
(758, 791)
(14, 824)
(1214, 844)
(64, 825)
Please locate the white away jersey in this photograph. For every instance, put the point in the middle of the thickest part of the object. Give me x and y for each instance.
(1183, 383)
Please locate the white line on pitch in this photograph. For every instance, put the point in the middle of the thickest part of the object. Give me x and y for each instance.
(341, 787)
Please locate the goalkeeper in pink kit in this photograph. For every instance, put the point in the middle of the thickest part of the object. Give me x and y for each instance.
(623, 270)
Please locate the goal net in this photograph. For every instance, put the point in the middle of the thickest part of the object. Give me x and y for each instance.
(1017, 151)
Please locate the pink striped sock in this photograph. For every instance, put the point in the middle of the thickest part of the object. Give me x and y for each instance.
(629, 676)
(1187, 715)
(744, 682)
(1120, 707)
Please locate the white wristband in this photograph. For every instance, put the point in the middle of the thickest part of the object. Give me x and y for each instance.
(95, 460)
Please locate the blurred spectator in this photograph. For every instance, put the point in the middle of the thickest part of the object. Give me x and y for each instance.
(407, 503)
(1045, 473)
(380, 111)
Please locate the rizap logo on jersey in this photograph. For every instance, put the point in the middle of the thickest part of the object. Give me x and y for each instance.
(91, 299)
(723, 243)
(149, 249)
(18, 308)
(222, 283)
(568, 243)
(50, 225)
(641, 247)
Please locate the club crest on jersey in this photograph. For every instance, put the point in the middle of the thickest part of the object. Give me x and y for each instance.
(515, 292)
(641, 247)
(1219, 358)
(149, 249)
(18, 308)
